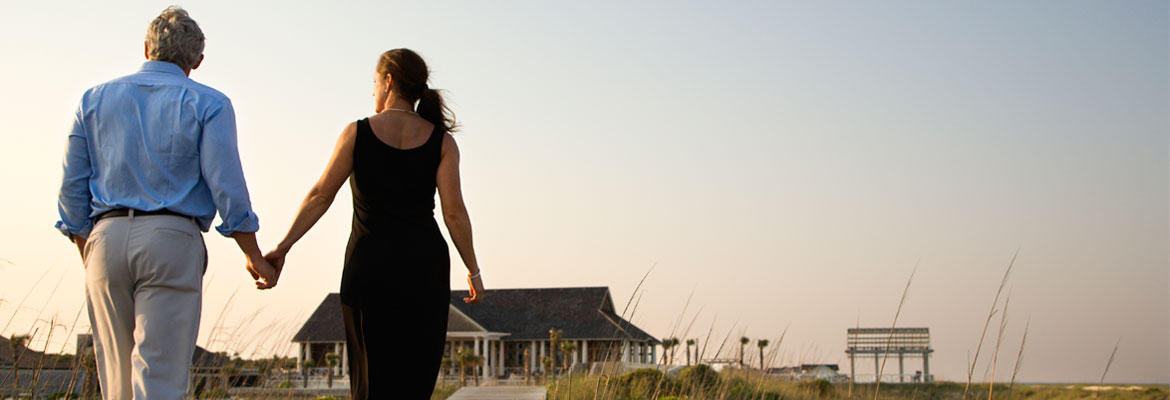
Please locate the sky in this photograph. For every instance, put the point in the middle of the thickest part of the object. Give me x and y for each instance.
(770, 165)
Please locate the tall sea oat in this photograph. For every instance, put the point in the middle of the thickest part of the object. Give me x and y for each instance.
(994, 302)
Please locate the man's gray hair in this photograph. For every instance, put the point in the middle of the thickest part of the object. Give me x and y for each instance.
(174, 37)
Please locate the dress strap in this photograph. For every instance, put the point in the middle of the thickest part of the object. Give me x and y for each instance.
(436, 137)
(363, 125)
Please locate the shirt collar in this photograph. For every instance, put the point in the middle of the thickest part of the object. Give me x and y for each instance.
(162, 66)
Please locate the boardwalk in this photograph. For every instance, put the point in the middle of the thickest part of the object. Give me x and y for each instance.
(500, 393)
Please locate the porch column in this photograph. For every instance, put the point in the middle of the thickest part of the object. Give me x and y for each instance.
(532, 356)
(487, 358)
(625, 351)
(576, 353)
(901, 372)
(926, 367)
(345, 359)
(585, 352)
(300, 357)
(474, 370)
(501, 360)
(539, 356)
(653, 354)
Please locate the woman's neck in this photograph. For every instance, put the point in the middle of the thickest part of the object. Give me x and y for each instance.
(399, 103)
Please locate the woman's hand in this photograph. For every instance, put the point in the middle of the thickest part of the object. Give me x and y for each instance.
(276, 258)
(476, 288)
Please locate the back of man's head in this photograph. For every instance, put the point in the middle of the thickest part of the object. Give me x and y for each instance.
(175, 38)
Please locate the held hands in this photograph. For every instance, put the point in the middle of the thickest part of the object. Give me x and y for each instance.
(262, 272)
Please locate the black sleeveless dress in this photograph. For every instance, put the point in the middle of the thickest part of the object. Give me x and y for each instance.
(395, 287)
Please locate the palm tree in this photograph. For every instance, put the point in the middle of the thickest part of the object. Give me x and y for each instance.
(547, 363)
(567, 348)
(332, 360)
(444, 366)
(305, 368)
(743, 341)
(17, 343)
(527, 367)
(690, 342)
(762, 343)
(476, 361)
(467, 358)
(667, 345)
(554, 338)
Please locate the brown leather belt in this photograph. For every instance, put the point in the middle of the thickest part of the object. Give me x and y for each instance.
(125, 212)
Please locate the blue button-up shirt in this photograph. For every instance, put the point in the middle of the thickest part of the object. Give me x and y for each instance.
(154, 140)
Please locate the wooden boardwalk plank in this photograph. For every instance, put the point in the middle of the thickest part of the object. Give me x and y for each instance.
(500, 393)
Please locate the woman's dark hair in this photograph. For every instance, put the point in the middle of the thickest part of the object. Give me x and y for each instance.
(410, 74)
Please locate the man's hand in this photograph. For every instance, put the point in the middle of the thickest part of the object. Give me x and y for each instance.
(262, 272)
(80, 242)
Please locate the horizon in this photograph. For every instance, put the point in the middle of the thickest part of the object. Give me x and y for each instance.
(776, 165)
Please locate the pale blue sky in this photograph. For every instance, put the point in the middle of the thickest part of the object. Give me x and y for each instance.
(788, 163)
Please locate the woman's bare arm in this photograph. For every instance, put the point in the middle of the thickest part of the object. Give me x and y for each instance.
(320, 196)
(455, 215)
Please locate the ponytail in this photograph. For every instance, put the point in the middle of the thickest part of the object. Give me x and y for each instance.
(432, 108)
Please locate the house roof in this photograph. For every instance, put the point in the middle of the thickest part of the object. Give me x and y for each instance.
(581, 312)
(325, 325)
(524, 314)
(32, 359)
(206, 359)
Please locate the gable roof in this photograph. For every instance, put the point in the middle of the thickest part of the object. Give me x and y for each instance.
(325, 325)
(524, 314)
(32, 359)
(581, 312)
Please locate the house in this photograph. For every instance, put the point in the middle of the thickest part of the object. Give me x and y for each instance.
(36, 371)
(509, 329)
(829, 372)
(206, 367)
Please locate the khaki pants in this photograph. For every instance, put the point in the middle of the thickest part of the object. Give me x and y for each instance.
(144, 284)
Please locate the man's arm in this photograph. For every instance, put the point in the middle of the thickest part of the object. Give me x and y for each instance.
(73, 201)
(219, 162)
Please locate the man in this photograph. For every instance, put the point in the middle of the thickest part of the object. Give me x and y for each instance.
(150, 159)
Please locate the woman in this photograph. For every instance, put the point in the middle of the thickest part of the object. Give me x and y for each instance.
(395, 286)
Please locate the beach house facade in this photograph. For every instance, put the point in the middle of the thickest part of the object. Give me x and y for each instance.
(510, 330)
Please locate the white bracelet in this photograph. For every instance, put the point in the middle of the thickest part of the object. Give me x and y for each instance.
(474, 276)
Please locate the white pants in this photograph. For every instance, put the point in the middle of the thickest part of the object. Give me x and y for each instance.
(144, 284)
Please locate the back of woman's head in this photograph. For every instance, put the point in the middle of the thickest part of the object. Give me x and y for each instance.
(410, 74)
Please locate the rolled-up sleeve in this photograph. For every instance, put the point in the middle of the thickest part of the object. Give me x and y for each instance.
(219, 162)
(73, 201)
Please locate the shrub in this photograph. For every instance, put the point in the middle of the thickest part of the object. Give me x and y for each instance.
(642, 383)
(820, 387)
(698, 378)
